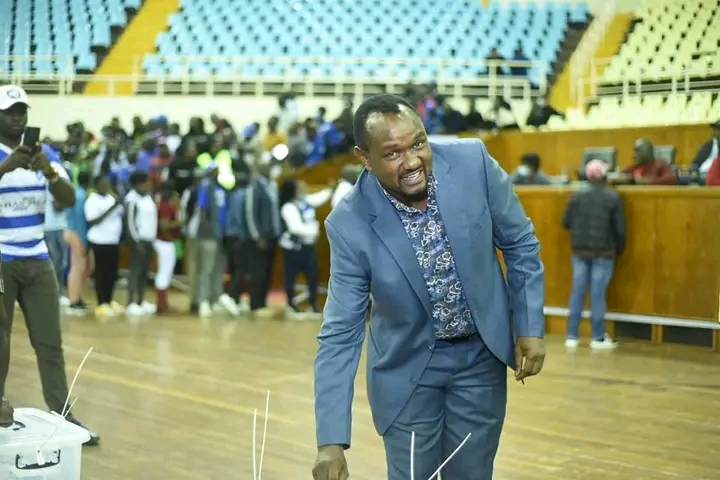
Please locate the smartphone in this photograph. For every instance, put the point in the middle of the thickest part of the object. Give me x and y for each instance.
(31, 137)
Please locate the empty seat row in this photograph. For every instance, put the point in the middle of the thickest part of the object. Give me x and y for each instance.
(638, 110)
(670, 36)
(364, 29)
(50, 37)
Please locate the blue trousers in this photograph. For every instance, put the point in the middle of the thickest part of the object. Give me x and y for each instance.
(58, 249)
(463, 390)
(595, 273)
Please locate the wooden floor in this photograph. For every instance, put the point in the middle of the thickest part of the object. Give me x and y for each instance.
(174, 398)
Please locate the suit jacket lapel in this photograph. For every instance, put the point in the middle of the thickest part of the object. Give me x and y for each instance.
(389, 228)
(450, 201)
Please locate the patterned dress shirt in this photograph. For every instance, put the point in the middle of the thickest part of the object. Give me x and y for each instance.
(426, 231)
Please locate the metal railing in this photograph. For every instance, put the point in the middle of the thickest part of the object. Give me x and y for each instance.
(680, 79)
(288, 74)
(588, 47)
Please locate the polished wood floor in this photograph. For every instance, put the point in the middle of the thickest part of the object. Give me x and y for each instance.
(174, 398)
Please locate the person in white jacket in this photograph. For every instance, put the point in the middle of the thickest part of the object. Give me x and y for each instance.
(142, 225)
(349, 176)
(301, 230)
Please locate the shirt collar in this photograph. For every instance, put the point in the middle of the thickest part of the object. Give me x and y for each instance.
(432, 185)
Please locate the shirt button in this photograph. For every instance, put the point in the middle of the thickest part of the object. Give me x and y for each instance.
(430, 347)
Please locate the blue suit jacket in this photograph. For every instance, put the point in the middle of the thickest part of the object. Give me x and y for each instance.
(370, 253)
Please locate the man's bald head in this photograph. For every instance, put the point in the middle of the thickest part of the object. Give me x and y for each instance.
(644, 151)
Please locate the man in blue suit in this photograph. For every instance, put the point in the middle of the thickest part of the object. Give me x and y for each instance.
(419, 232)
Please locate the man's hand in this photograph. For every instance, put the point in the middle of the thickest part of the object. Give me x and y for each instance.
(331, 464)
(529, 356)
(41, 163)
(21, 157)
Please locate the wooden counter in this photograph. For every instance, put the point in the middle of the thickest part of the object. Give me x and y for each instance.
(671, 266)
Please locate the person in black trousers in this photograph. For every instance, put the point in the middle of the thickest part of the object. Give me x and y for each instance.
(262, 217)
(104, 213)
(301, 230)
(236, 242)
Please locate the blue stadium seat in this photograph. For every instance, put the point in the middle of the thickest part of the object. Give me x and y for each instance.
(369, 29)
(59, 29)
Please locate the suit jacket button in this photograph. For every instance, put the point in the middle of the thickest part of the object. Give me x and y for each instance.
(430, 347)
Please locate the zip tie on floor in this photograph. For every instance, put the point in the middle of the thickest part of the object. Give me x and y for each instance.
(66, 409)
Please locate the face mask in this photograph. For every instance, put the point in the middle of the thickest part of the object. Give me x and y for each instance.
(524, 170)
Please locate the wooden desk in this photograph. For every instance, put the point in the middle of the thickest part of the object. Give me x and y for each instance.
(671, 266)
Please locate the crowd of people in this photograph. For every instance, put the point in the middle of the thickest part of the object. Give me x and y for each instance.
(207, 198)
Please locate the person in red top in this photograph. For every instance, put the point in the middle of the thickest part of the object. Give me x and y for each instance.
(647, 170)
(159, 166)
(168, 231)
(713, 176)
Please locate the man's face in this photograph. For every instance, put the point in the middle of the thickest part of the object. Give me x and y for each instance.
(144, 187)
(14, 120)
(642, 152)
(398, 154)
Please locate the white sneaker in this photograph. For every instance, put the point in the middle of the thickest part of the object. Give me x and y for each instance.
(116, 307)
(205, 309)
(243, 307)
(229, 304)
(572, 343)
(148, 308)
(264, 312)
(292, 314)
(134, 310)
(606, 343)
(64, 301)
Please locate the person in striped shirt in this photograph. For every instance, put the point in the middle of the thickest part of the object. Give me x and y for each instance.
(26, 176)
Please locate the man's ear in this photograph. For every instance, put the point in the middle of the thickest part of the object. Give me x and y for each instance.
(363, 157)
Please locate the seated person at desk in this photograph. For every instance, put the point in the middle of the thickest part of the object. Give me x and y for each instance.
(529, 173)
(713, 175)
(647, 170)
(708, 153)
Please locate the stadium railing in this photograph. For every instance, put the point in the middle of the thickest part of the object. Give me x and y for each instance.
(182, 81)
(580, 62)
(676, 80)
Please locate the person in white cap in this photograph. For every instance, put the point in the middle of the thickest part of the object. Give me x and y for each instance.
(27, 174)
(596, 220)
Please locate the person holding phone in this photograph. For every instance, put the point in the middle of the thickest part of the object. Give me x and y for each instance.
(28, 170)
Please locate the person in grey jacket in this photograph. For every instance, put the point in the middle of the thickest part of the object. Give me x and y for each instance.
(262, 217)
(212, 210)
(596, 220)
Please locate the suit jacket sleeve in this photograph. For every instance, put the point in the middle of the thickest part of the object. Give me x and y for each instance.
(514, 235)
(340, 342)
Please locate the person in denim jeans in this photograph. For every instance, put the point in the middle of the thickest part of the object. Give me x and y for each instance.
(596, 220)
(56, 222)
